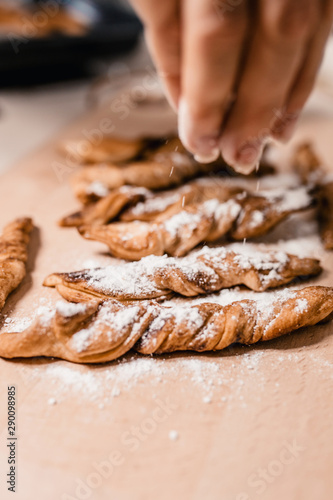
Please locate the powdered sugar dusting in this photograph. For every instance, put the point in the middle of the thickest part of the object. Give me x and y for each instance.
(137, 279)
(68, 309)
(301, 305)
(16, 324)
(97, 188)
(289, 199)
(183, 219)
(218, 210)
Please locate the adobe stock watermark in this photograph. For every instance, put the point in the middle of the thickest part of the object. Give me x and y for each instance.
(131, 441)
(263, 477)
(121, 107)
(38, 20)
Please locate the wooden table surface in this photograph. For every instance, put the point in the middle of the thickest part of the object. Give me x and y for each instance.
(247, 423)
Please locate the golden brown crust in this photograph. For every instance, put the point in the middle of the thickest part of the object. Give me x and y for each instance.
(307, 164)
(172, 201)
(151, 174)
(310, 169)
(145, 163)
(106, 208)
(64, 23)
(205, 271)
(244, 216)
(108, 149)
(325, 214)
(14, 20)
(13, 256)
(132, 203)
(97, 332)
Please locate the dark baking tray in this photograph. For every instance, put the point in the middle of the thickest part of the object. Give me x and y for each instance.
(113, 31)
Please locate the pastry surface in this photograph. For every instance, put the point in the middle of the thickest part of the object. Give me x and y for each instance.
(243, 216)
(13, 256)
(205, 271)
(96, 332)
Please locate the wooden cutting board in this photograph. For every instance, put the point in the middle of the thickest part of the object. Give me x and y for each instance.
(247, 423)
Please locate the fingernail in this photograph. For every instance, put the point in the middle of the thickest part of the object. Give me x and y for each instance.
(248, 156)
(208, 158)
(205, 148)
(183, 120)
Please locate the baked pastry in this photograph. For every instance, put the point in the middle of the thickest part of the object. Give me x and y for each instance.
(152, 174)
(134, 203)
(244, 216)
(310, 169)
(108, 149)
(172, 201)
(307, 164)
(96, 332)
(13, 256)
(325, 214)
(14, 21)
(106, 208)
(159, 167)
(65, 23)
(205, 271)
(11, 19)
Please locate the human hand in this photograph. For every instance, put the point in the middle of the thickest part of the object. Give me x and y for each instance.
(237, 71)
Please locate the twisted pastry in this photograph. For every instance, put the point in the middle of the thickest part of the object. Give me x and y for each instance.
(13, 256)
(307, 164)
(325, 214)
(244, 216)
(106, 208)
(156, 173)
(168, 165)
(205, 271)
(133, 203)
(96, 332)
(160, 168)
(309, 167)
(108, 149)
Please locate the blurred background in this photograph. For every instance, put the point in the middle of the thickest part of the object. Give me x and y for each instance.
(52, 53)
(56, 54)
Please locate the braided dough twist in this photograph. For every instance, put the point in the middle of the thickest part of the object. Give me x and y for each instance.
(205, 271)
(108, 149)
(310, 169)
(325, 214)
(160, 168)
(13, 256)
(133, 203)
(96, 332)
(244, 216)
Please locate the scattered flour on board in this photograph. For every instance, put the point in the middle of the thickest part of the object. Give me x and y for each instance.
(106, 382)
(173, 435)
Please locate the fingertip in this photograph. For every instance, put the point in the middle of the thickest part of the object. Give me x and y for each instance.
(208, 158)
(243, 157)
(203, 146)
